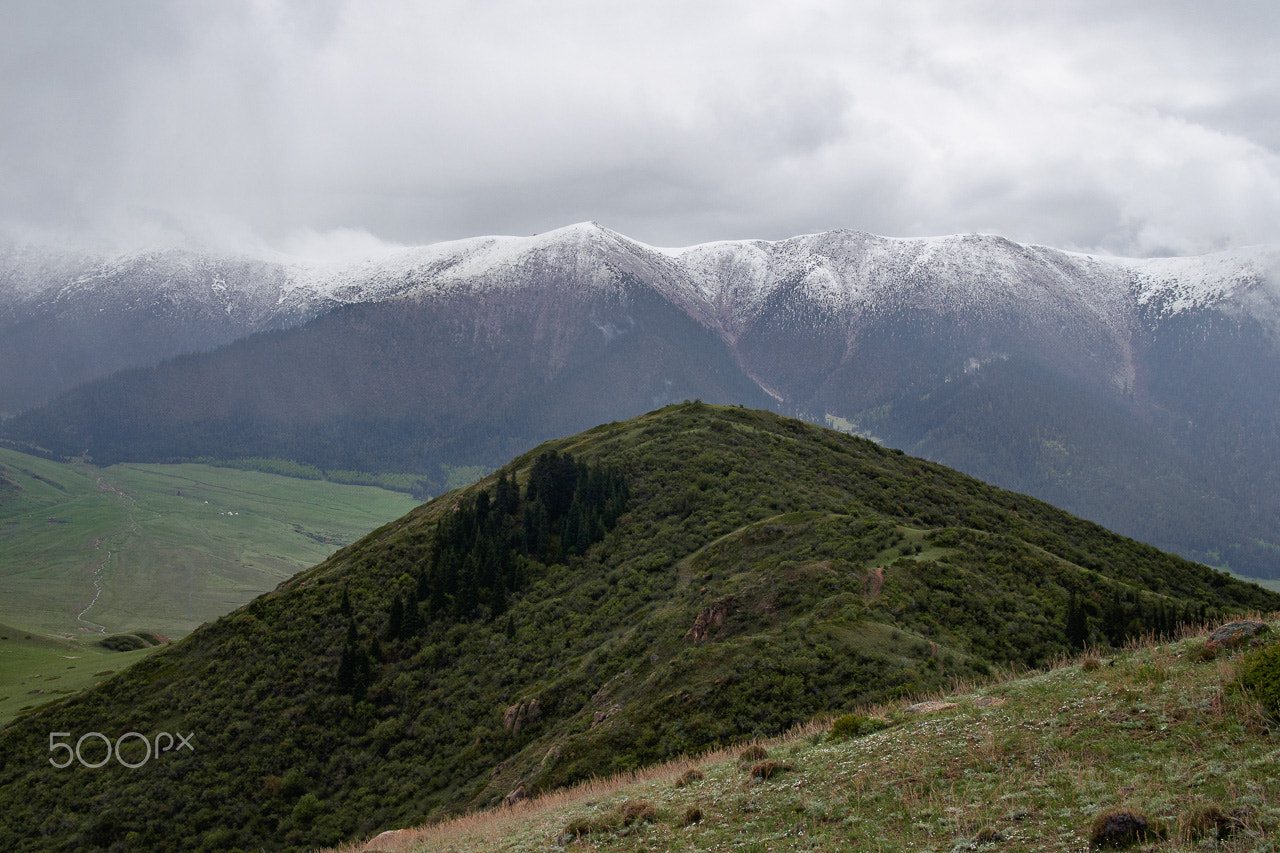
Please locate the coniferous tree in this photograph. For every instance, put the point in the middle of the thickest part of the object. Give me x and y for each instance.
(1077, 624)
(349, 663)
(345, 679)
(411, 625)
(1114, 623)
(395, 618)
(363, 676)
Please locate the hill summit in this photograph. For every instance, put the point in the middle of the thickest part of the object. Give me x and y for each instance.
(695, 576)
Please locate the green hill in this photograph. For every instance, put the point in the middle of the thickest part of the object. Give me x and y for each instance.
(689, 578)
(1030, 764)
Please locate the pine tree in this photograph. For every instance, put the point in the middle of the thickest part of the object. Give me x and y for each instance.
(411, 625)
(1077, 624)
(345, 679)
(395, 619)
(363, 676)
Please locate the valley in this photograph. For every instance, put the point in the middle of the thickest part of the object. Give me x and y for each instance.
(35, 669)
(625, 427)
(88, 551)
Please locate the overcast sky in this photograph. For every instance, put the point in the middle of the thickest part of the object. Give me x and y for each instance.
(326, 125)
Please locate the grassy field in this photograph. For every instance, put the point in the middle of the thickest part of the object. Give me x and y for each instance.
(1160, 731)
(89, 551)
(36, 669)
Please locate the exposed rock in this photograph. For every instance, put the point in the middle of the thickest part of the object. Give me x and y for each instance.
(551, 757)
(1233, 634)
(711, 617)
(604, 696)
(601, 716)
(392, 839)
(929, 707)
(520, 715)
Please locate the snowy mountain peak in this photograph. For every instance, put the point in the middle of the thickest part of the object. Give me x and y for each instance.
(725, 283)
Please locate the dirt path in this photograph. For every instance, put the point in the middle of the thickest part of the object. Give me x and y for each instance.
(100, 574)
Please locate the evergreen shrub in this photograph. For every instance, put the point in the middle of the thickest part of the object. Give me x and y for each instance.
(1260, 675)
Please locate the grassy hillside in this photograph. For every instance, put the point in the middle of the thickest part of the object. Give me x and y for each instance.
(1161, 731)
(87, 550)
(689, 578)
(35, 669)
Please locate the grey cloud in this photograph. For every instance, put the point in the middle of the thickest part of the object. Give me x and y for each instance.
(1133, 128)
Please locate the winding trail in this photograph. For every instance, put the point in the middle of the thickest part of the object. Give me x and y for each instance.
(97, 591)
(99, 573)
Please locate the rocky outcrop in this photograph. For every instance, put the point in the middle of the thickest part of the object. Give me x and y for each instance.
(929, 707)
(1234, 634)
(392, 839)
(600, 716)
(517, 795)
(520, 716)
(711, 617)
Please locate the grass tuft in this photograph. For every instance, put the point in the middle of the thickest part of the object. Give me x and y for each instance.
(1122, 828)
(693, 774)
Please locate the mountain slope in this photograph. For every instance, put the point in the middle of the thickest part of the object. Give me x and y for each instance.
(409, 383)
(1140, 393)
(762, 570)
(1022, 764)
(66, 319)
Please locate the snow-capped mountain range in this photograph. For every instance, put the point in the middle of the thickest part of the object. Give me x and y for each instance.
(724, 284)
(1059, 373)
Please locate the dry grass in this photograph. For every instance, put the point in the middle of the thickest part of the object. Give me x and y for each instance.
(476, 830)
(1152, 730)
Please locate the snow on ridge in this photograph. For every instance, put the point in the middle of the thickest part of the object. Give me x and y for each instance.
(1175, 285)
(844, 271)
(727, 282)
(439, 267)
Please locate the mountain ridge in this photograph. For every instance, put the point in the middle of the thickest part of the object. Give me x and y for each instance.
(463, 352)
(31, 270)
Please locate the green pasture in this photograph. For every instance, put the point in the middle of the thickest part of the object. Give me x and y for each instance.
(35, 669)
(88, 551)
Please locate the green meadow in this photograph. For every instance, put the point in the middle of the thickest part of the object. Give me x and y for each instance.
(35, 669)
(87, 551)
